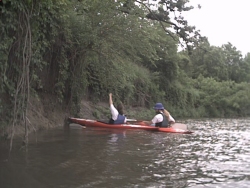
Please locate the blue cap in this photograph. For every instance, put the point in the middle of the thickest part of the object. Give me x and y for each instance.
(159, 106)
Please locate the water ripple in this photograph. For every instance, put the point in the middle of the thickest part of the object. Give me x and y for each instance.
(216, 155)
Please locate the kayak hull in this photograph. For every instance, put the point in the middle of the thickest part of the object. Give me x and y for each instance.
(135, 125)
(95, 123)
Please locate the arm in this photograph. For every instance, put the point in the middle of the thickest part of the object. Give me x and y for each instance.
(147, 122)
(113, 110)
(157, 118)
(110, 99)
(171, 119)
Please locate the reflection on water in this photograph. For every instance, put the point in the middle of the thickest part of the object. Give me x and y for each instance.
(216, 155)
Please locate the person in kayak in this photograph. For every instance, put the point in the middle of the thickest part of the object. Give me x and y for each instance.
(118, 116)
(162, 117)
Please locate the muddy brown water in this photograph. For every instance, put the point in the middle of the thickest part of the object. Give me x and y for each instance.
(216, 155)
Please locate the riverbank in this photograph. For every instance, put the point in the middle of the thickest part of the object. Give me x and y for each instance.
(42, 113)
(45, 113)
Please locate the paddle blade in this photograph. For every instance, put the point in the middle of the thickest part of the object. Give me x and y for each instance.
(179, 126)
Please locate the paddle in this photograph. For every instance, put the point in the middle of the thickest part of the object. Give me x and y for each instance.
(131, 120)
(179, 126)
(138, 122)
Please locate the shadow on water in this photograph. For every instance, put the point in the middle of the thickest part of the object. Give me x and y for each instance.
(216, 155)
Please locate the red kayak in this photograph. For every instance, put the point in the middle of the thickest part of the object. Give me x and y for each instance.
(136, 125)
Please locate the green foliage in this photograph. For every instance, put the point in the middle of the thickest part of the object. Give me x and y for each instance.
(223, 99)
(113, 45)
(245, 76)
(140, 113)
(222, 63)
(28, 30)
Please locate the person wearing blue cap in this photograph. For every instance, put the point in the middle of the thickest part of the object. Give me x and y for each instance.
(118, 116)
(162, 117)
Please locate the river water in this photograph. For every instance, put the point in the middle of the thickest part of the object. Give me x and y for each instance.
(216, 155)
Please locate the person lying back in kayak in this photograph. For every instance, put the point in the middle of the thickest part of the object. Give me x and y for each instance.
(118, 116)
(162, 117)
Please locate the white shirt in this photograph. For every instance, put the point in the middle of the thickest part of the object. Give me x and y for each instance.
(115, 113)
(159, 118)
